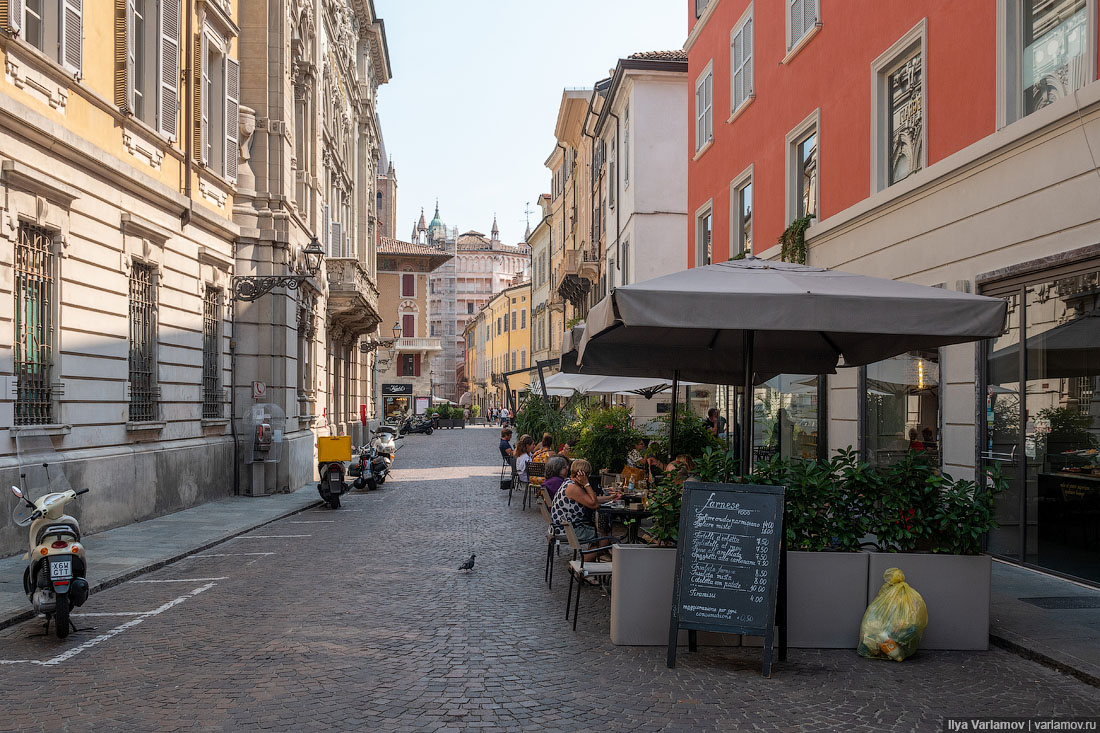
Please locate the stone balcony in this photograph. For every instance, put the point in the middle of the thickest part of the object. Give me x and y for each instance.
(419, 344)
(352, 297)
(579, 272)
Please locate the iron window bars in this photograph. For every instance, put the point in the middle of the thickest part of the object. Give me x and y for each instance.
(34, 298)
(143, 334)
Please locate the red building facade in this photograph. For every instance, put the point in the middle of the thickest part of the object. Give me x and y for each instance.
(776, 80)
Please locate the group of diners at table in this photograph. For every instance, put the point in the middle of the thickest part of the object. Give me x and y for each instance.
(576, 492)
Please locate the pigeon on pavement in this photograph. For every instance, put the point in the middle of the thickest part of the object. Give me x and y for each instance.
(469, 564)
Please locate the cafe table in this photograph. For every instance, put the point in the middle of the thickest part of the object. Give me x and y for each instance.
(616, 511)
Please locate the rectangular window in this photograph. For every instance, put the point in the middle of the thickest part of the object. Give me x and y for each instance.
(788, 414)
(523, 359)
(741, 214)
(34, 328)
(408, 325)
(902, 408)
(741, 78)
(700, 6)
(704, 245)
(626, 145)
(514, 362)
(704, 109)
(513, 320)
(54, 27)
(624, 263)
(898, 104)
(803, 196)
(211, 354)
(219, 105)
(801, 19)
(408, 286)
(143, 340)
(1055, 40)
(498, 326)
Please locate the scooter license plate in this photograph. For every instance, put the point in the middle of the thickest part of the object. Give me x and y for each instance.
(61, 569)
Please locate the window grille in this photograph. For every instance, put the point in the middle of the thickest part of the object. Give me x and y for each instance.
(34, 296)
(143, 333)
(211, 355)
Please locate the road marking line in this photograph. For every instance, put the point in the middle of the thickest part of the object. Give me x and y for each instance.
(67, 655)
(314, 521)
(326, 511)
(181, 580)
(233, 554)
(113, 613)
(271, 536)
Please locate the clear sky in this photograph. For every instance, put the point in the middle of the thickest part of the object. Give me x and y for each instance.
(469, 114)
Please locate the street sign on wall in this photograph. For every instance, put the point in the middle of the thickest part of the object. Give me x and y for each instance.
(397, 389)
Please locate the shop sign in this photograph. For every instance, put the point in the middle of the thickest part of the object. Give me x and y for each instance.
(402, 389)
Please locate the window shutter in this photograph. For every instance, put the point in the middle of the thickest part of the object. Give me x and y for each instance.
(400, 366)
(746, 39)
(169, 54)
(124, 56)
(738, 59)
(700, 129)
(797, 28)
(202, 106)
(232, 122)
(13, 14)
(337, 238)
(326, 232)
(72, 35)
(809, 13)
(710, 106)
(416, 365)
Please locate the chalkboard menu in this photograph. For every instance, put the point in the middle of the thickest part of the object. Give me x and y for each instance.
(727, 561)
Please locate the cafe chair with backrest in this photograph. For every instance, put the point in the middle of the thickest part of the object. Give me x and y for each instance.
(582, 571)
(554, 536)
(534, 471)
(508, 477)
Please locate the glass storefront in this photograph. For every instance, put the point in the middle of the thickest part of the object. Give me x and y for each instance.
(902, 408)
(395, 408)
(786, 417)
(1042, 424)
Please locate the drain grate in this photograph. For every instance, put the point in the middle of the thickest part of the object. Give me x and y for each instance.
(1064, 602)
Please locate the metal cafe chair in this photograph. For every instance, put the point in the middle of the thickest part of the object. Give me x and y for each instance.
(534, 470)
(582, 571)
(554, 536)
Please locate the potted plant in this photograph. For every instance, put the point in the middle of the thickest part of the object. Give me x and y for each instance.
(605, 437)
(931, 527)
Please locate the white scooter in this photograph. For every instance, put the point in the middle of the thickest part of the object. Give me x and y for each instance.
(55, 578)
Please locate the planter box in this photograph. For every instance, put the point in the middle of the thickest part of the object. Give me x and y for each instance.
(641, 598)
(826, 598)
(955, 588)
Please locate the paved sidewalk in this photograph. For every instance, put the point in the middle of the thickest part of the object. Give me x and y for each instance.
(125, 552)
(1053, 621)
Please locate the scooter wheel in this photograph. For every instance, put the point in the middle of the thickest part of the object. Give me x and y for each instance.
(358, 483)
(61, 615)
(428, 431)
(372, 485)
(381, 480)
(334, 502)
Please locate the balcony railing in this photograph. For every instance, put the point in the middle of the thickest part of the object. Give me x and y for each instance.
(419, 344)
(353, 297)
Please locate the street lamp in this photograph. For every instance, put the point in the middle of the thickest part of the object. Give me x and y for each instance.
(368, 346)
(249, 288)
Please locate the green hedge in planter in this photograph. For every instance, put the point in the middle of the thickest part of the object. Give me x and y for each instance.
(832, 505)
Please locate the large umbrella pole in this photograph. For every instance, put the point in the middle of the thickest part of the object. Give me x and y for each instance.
(672, 424)
(746, 403)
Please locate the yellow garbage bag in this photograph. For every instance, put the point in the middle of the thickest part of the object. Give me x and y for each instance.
(894, 622)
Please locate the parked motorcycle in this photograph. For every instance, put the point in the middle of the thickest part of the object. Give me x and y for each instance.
(417, 424)
(373, 467)
(332, 453)
(385, 442)
(55, 578)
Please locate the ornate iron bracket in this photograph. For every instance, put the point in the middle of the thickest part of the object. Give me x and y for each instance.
(249, 288)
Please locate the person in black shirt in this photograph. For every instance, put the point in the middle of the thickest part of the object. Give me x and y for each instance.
(506, 451)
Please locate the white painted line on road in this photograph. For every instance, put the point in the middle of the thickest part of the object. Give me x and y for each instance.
(181, 580)
(113, 613)
(67, 655)
(232, 554)
(271, 536)
(326, 511)
(315, 521)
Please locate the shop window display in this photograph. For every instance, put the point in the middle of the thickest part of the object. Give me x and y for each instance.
(902, 413)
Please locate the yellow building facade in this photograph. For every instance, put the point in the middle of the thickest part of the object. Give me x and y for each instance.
(498, 341)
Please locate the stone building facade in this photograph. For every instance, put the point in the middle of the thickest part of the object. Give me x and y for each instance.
(310, 81)
(117, 246)
(138, 181)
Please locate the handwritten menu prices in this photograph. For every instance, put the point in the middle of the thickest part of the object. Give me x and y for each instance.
(729, 563)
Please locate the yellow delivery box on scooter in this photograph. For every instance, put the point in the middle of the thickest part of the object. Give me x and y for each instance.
(335, 448)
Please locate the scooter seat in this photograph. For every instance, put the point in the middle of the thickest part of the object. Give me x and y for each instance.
(58, 528)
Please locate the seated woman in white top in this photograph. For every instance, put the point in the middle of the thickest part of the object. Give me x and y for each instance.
(524, 448)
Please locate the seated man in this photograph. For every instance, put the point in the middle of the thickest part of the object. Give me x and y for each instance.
(506, 451)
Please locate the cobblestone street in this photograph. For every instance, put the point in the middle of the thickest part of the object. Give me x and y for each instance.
(358, 619)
